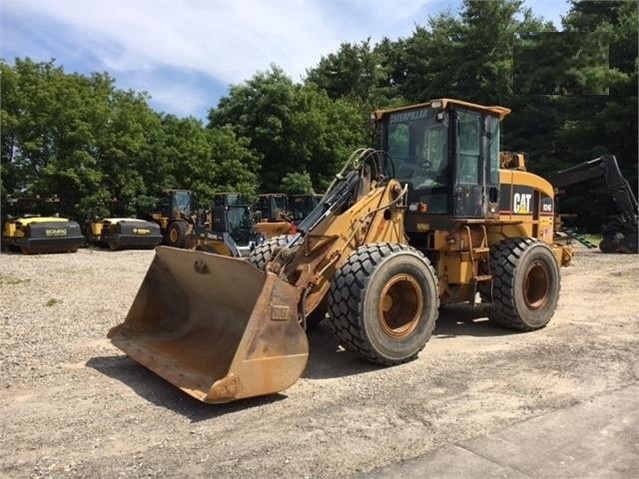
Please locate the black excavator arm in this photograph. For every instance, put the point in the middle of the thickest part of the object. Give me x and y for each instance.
(620, 232)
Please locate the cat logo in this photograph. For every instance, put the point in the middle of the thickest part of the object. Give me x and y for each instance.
(141, 231)
(521, 203)
(55, 232)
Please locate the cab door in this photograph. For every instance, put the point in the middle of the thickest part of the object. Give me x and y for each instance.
(469, 171)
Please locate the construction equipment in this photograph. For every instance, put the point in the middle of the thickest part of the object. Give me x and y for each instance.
(232, 213)
(38, 234)
(184, 225)
(429, 220)
(278, 214)
(224, 229)
(273, 215)
(123, 233)
(302, 205)
(33, 233)
(620, 232)
(512, 160)
(176, 213)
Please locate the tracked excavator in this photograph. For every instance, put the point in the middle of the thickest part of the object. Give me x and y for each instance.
(620, 232)
(429, 219)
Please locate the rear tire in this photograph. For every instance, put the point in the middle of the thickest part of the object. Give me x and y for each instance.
(176, 234)
(630, 243)
(383, 303)
(607, 245)
(526, 284)
(261, 254)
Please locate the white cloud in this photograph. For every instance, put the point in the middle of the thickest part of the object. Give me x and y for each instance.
(138, 42)
(179, 100)
(227, 40)
(224, 41)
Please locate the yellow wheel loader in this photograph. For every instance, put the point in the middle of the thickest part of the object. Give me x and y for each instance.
(274, 215)
(430, 219)
(175, 213)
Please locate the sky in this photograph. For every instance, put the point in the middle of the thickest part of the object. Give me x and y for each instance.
(186, 54)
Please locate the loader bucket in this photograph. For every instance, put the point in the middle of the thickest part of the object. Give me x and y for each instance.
(214, 326)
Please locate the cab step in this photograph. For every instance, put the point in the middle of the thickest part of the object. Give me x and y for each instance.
(480, 278)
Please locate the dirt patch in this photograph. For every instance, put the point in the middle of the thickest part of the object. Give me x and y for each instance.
(74, 406)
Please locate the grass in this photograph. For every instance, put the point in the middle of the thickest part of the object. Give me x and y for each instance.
(11, 280)
(594, 239)
(85, 270)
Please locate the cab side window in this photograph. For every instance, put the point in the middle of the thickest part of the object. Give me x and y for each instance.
(469, 148)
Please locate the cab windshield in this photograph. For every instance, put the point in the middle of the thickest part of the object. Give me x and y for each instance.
(417, 142)
(182, 201)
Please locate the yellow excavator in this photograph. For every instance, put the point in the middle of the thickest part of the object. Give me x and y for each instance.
(427, 220)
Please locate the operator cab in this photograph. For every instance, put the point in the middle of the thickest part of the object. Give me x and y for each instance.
(447, 152)
(232, 214)
(273, 207)
(174, 202)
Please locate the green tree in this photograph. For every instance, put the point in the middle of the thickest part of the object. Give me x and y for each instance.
(292, 127)
(50, 123)
(297, 183)
(606, 123)
(360, 73)
(236, 164)
(598, 124)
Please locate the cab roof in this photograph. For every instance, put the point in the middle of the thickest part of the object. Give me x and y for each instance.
(499, 111)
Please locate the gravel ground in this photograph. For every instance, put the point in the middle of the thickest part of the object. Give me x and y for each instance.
(72, 405)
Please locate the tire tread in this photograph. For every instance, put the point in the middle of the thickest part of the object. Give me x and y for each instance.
(346, 296)
(504, 260)
(262, 253)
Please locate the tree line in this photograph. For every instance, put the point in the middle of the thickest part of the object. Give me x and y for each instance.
(573, 94)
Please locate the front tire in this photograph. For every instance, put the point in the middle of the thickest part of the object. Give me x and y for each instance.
(526, 284)
(113, 244)
(383, 303)
(261, 254)
(176, 234)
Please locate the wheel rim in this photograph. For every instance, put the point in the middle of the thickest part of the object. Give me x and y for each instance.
(400, 306)
(173, 236)
(537, 285)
